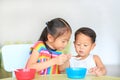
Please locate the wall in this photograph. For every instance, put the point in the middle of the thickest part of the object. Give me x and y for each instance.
(23, 20)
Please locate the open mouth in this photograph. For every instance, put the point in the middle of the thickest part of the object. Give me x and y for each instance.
(81, 52)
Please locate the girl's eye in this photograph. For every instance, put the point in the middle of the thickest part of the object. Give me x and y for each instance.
(78, 44)
(63, 41)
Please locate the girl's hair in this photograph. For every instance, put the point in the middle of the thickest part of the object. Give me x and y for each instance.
(56, 27)
(88, 32)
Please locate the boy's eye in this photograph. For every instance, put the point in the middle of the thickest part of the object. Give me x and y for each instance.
(85, 45)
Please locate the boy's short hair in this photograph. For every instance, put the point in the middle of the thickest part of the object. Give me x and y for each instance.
(88, 32)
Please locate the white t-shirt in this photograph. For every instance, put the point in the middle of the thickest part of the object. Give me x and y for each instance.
(86, 63)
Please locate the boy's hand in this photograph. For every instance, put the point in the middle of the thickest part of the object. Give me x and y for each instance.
(95, 71)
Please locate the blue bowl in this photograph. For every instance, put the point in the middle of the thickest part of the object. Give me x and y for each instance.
(76, 73)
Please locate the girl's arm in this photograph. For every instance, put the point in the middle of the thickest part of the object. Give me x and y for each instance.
(66, 64)
(32, 62)
(100, 69)
(63, 66)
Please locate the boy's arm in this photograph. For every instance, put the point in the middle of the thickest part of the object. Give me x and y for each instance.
(101, 70)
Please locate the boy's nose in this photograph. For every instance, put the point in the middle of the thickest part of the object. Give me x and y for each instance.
(81, 46)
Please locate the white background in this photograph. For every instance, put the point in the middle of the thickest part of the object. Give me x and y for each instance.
(23, 20)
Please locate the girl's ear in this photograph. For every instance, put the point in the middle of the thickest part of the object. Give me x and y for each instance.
(50, 38)
(74, 42)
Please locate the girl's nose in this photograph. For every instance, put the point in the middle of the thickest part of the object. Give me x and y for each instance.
(65, 44)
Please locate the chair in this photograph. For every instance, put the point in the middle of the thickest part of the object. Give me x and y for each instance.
(15, 56)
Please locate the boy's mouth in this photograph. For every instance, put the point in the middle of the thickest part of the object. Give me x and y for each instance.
(81, 52)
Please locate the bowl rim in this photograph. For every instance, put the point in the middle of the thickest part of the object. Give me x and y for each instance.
(24, 70)
(76, 68)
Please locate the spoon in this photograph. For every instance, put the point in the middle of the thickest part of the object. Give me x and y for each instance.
(77, 58)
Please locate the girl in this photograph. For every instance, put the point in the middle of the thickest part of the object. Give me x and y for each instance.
(84, 43)
(46, 57)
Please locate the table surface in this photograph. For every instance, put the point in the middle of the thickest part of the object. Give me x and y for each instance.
(64, 77)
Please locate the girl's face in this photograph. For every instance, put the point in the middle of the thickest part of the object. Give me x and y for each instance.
(60, 42)
(83, 45)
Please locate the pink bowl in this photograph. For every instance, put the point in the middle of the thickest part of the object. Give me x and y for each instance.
(25, 74)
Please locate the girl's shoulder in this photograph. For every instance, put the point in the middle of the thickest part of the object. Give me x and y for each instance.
(39, 45)
(39, 42)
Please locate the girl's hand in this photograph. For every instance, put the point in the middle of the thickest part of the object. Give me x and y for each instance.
(62, 59)
(96, 71)
(68, 56)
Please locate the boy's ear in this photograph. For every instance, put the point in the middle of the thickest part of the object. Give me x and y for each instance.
(93, 45)
(50, 38)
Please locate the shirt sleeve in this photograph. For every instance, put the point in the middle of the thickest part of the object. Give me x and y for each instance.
(38, 46)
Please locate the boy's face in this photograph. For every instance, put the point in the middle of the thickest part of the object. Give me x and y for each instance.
(83, 45)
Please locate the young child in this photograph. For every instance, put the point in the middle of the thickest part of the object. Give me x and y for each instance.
(46, 56)
(84, 43)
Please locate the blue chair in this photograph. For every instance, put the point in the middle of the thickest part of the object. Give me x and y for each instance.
(15, 56)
